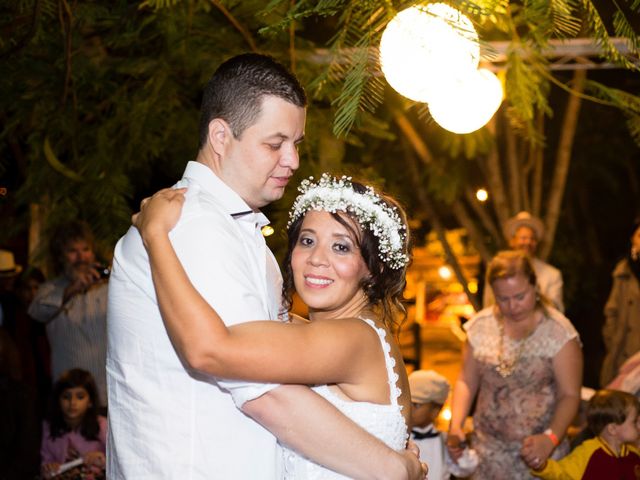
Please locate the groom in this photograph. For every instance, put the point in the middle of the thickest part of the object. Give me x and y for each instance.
(167, 421)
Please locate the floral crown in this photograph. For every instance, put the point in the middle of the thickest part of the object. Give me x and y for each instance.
(331, 195)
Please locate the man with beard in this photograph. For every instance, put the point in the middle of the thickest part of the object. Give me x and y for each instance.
(74, 305)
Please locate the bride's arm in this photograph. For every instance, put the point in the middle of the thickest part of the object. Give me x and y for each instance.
(264, 351)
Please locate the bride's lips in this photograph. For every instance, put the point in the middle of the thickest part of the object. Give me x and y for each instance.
(317, 281)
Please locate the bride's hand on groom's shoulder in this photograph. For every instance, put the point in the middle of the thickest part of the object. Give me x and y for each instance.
(159, 213)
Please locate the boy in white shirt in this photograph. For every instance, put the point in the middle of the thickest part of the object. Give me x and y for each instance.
(429, 391)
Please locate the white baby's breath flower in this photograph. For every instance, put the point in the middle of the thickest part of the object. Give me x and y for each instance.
(330, 194)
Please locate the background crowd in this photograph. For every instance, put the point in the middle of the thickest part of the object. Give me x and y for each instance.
(53, 340)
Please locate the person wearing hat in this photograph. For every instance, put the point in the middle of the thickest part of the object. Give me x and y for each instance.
(524, 232)
(429, 392)
(9, 270)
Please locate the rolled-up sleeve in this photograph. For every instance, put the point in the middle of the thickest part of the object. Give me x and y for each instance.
(48, 300)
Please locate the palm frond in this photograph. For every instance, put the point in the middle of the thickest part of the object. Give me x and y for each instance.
(597, 28)
(564, 21)
(623, 28)
(526, 88)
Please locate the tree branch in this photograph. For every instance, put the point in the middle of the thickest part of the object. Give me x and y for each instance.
(465, 220)
(421, 149)
(483, 215)
(243, 31)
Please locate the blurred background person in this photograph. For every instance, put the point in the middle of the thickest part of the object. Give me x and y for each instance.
(612, 451)
(9, 270)
(73, 428)
(525, 232)
(18, 425)
(621, 330)
(429, 392)
(74, 305)
(30, 337)
(523, 360)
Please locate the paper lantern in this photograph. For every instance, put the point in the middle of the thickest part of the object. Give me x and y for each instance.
(465, 104)
(422, 43)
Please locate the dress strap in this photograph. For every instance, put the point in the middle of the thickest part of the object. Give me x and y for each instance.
(390, 362)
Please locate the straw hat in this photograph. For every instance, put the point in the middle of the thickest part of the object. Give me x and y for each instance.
(524, 219)
(8, 266)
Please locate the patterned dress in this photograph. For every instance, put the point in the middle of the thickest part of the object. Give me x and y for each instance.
(522, 404)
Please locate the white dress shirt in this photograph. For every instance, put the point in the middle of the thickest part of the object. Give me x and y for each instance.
(166, 422)
(76, 329)
(434, 453)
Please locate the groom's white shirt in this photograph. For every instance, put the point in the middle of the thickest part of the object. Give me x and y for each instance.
(166, 422)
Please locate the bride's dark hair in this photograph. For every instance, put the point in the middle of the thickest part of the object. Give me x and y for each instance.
(385, 286)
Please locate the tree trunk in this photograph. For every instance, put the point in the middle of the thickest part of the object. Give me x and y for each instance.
(421, 149)
(494, 180)
(563, 161)
(515, 172)
(538, 165)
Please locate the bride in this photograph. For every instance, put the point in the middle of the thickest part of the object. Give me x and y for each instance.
(347, 257)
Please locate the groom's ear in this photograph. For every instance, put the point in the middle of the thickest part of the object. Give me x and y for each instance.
(219, 135)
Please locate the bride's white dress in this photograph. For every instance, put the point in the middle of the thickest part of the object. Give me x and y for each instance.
(383, 421)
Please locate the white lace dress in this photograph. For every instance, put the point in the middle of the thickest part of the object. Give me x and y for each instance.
(383, 421)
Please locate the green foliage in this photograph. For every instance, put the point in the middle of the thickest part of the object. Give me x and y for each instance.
(596, 27)
(100, 99)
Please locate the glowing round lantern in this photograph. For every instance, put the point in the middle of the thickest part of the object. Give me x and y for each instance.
(465, 104)
(422, 43)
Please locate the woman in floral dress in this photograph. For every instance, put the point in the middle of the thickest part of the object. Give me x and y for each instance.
(523, 360)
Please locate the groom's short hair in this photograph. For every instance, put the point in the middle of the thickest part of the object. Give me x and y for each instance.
(235, 91)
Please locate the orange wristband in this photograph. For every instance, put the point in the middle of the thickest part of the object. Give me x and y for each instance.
(552, 436)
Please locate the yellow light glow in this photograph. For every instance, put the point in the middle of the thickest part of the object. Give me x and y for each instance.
(466, 103)
(267, 230)
(421, 43)
(446, 414)
(472, 286)
(444, 272)
(482, 195)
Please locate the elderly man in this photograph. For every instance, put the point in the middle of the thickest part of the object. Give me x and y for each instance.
(524, 231)
(74, 305)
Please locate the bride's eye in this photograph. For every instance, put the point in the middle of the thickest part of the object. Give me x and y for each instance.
(305, 241)
(342, 247)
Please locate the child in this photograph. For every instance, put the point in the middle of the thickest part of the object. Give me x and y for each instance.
(73, 429)
(429, 391)
(612, 415)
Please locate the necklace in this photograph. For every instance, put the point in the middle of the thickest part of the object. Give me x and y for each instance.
(506, 366)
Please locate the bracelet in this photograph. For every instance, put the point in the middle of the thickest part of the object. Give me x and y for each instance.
(552, 436)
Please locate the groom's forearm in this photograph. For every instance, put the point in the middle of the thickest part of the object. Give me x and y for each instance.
(307, 423)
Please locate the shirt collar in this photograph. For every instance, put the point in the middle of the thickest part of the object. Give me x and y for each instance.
(230, 201)
(429, 428)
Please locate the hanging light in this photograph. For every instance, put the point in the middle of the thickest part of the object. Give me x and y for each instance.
(482, 195)
(421, 43)
(465, 104)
